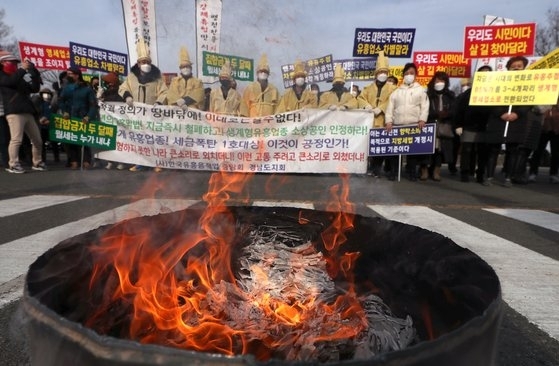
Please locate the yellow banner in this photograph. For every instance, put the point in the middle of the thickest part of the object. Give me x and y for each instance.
(549, 61)
(526, 87)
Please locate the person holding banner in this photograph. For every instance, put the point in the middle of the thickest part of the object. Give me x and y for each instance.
(407, 105)
(509, 125)
(144, 84)
(185, 90)
(16, 86)
(261, 97)
(338, 98)
(374, 98)
(225, 99)
(297, 97)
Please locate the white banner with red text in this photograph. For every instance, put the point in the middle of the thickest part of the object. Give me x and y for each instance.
(302, 141)
(139, 22)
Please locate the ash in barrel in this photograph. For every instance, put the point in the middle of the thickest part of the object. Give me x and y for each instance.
(279, 267)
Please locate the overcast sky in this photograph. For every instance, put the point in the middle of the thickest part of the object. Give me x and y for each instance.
(283, 29)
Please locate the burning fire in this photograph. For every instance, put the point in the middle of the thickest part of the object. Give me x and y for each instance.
(185, 293)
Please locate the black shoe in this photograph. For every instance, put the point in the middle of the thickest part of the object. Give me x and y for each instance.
(464, 178)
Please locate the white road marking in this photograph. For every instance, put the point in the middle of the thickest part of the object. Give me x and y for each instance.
(28, 203)
(17, 255)
(529, 280)
(547, 220)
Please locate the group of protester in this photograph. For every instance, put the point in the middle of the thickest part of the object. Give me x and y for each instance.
(475, 133)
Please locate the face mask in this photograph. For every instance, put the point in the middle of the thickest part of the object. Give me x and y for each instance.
(389, 83)
(225, 83)
(9, 67)
(262, 76)
(315, 92)
(409, 79)
(300, 81)
(354, 93)
(69, 80)
(439, 86)
(145, 68)
(382, 77)
(186, 71)
(46, 96)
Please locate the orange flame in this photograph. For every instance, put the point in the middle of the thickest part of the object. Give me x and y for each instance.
(173, 289)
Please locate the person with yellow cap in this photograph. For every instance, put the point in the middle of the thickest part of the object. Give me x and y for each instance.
(144, 84)
(225, 99)
(185, 90)
(298, 96)
(338, 98)
(374, 98)
(261, 97)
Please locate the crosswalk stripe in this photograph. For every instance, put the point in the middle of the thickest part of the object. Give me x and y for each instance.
(544, 219)
(17, 255)
(297, 204)
(528, 279)
(28, 203)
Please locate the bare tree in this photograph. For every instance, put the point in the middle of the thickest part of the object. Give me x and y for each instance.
(7, 42)
(547, 36)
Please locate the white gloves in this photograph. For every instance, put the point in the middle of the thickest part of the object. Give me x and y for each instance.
(369, 109)
(377, 111)
(180, 102)
(130, 101)
(459, 131)
(100, 92)
(333, 107)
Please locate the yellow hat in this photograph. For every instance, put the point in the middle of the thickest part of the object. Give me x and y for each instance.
(225, 71)
(299, 69)
(263, 64)
(339, 74)
(382, 63)
(184, 59)
(142, 50)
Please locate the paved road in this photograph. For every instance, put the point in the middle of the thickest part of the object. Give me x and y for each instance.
(516, 230)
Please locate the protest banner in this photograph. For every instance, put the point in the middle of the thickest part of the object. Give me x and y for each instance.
(208, 33)
(241, 68)
(73, 131)
(549, 61)
(98, 59)
(318, 70)
(402, 140)
(302, 141)
(139, 22)
(453, 63)
(358, 69)
(499, 41)
(395, 42)
(522, 87)
(45, 56)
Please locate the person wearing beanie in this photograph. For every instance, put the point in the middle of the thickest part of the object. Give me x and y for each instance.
(108, 92)
(16, 86)
(185, 90)
(407, 105)
(261, 97)
(298, 96)
(338, 98)
(225, 99)
(374, 99)
(44, 107)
